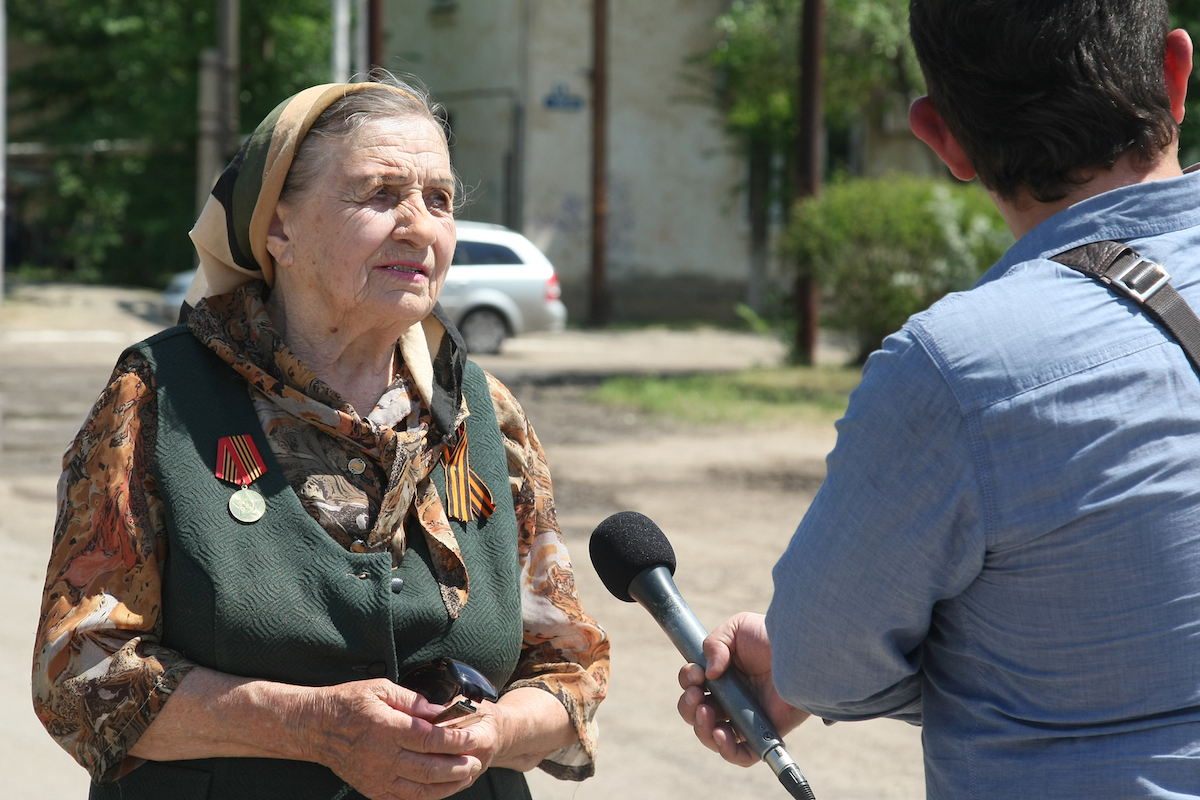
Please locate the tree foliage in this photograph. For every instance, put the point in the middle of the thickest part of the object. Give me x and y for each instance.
(868, 63)
(885, 249)
(113, 94)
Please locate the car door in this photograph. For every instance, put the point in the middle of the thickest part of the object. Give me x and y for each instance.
(478, 267)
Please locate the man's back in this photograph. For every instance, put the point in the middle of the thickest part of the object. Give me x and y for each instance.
(1006, 547)
(1009, 535)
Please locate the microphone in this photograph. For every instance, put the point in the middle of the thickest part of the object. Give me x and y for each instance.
(636, 563)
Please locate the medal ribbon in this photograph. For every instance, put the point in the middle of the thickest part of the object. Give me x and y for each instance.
(238, 460)
(466, 494)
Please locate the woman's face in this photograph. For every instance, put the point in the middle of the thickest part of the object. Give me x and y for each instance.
(368, 243)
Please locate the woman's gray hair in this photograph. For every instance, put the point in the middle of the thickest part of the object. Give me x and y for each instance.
(344, 117)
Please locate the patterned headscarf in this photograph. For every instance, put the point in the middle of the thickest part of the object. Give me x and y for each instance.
(231, 234)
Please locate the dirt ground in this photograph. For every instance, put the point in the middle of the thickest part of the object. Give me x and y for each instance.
(58, 344)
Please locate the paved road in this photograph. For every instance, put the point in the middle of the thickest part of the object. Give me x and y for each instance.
(58, 344)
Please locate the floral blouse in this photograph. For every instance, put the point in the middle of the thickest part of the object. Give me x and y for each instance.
(100, 675)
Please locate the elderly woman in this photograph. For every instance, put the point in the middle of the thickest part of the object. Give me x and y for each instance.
(273, 514)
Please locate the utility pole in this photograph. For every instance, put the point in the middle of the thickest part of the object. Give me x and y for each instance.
(341, 41)
(362, 38)
(217, 102)
(375, 33)
(808, 165)
(209, 146)
(599, 294)
(228, 15)
(3, 142)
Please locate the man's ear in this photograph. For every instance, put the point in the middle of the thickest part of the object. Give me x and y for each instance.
(931, 129)
(279, 244)
(1177, 67)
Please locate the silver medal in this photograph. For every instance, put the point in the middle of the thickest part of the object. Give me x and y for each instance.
(247, 505)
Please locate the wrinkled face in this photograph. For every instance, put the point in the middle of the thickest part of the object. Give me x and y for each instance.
(369, 242)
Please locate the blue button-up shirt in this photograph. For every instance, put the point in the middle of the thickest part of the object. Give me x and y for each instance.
(1006, 548)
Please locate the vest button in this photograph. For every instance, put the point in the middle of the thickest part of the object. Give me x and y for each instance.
(377, 670)
(397, 585)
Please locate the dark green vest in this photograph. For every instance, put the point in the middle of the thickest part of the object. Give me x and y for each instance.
(280, 599)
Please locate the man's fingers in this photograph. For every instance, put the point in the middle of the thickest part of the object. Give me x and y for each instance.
(717, 653)
(717, 735)
(691, 699)
(731, 749)
(691, 675)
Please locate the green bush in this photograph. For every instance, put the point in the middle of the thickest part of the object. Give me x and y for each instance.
(884, 249)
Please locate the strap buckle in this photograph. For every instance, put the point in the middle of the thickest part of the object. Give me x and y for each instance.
(1153, 277)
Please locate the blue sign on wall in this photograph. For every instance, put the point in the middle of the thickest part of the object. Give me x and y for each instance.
(561, 99)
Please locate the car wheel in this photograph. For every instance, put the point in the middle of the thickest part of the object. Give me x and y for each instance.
(483, 330)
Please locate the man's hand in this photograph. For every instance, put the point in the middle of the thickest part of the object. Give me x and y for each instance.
(740, 640)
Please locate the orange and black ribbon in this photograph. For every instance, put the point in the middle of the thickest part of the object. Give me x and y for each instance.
(238, 460)
(466, 495)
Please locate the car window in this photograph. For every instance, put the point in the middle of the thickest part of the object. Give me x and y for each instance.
(484, 253)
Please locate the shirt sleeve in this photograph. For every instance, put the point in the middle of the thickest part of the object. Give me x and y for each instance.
(564, 651)
(100, 675)
(896, 527)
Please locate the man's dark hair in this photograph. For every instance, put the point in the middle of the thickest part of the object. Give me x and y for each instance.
(1039, 93)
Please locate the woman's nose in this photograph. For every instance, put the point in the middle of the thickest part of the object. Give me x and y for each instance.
(415, 225)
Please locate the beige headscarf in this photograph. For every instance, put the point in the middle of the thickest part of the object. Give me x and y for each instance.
(231, 234)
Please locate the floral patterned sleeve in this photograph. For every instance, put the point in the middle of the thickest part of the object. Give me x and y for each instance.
(565, 652)
(99, 674)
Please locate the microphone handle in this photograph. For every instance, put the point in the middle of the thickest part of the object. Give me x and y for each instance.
(655, 590)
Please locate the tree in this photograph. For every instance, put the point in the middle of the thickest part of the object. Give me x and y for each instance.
(868, 65)
(113, 98)
(890, 247)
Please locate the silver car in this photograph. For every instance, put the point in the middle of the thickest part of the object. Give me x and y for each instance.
(499, 285)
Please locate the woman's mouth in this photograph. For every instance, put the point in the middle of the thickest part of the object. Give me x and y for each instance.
(405, 268)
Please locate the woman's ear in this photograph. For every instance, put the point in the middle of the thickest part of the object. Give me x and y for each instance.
(931, 129)
(279, 244)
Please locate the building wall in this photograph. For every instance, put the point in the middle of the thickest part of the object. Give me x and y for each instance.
(889, 145)
(515, 78)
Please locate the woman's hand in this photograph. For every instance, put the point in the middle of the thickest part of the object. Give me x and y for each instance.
(520, 730)
(375, 735)
(741, 641)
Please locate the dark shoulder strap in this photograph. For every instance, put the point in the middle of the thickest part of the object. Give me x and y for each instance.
(1124, 271)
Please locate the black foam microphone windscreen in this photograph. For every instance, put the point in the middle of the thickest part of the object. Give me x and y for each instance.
(625, 545)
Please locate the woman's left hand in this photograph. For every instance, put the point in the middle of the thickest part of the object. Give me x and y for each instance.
(520, 730)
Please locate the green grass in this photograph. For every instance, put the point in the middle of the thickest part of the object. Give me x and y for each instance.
(788, 394)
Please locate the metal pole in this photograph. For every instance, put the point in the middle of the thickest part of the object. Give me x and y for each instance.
(3, 141)
(599, 294)
(209, 159)
(228, 14)
(375, 33)
(341, 41)
(808, 164)
(520, 106)
(362, 38)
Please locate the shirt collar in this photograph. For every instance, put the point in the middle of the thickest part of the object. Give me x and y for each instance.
(1130, 212)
